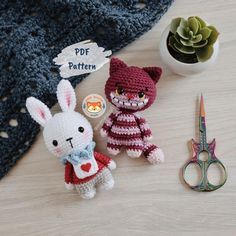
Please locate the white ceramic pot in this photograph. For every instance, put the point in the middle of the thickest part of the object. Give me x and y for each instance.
(180, 67)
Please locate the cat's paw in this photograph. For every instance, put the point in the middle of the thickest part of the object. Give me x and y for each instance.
(113, 151)
(156, 156)
(134, 153)
(147, 138)
(103, 133)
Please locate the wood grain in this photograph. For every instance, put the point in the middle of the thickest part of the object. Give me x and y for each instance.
(147, 200)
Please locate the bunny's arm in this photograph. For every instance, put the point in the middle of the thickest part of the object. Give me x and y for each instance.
(108, 124)
(107, 161)
(144, 128)
(68, 173)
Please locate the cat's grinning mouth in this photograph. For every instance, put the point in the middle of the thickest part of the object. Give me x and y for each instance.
(127, 103)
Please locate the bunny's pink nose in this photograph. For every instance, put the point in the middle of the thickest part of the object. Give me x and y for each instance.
(130, 95)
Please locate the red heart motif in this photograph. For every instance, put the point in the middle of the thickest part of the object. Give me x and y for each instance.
(86, 167)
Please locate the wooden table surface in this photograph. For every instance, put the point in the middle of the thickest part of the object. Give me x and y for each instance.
(146, 200)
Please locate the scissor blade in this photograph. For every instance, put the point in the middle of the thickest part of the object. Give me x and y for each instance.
(202, 109)
(202, 115)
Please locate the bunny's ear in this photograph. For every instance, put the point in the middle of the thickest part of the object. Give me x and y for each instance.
(38, 111)
(66, 96)
(116, 64)
(154, 73)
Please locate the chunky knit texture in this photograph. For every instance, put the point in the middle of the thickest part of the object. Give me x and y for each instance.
(33, 33)
(130, 90)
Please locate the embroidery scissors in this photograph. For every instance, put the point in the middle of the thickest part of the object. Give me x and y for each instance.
(204, 185)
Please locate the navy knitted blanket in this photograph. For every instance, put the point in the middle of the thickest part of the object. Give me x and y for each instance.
(33, 32)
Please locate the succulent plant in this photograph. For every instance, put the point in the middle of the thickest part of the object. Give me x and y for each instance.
(193, 36)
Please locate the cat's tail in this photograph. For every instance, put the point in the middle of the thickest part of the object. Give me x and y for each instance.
(153, 153)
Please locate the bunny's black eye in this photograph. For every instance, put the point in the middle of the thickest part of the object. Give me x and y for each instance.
(55, 143)
(81, 129)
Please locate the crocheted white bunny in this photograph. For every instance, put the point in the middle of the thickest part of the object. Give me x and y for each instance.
(69, 135)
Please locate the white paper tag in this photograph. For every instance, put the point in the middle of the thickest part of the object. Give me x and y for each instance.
(86, 169)
(81, 58)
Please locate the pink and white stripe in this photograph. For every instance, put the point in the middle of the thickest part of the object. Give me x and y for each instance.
(132, 132)
(125, 130)
(125, 142)
(126, 117)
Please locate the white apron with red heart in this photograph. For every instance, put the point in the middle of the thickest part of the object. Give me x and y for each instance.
(86, 168)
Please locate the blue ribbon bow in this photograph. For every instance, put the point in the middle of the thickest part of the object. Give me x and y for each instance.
(78, 156)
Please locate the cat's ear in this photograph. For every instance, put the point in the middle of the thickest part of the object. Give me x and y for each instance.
(154, 73)
(116, 64)
(66, 96)
(38, 110)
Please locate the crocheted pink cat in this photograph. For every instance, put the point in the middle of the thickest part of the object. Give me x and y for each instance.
(131, 89)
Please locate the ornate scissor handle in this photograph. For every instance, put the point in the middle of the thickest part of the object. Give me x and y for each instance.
(204, 184)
